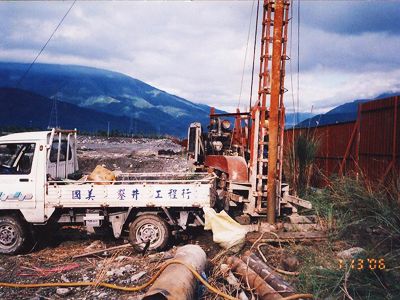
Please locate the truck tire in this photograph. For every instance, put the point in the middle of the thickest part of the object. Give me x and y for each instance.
(149, 227)
(13, 235)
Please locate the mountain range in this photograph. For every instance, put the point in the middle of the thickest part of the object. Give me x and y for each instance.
(16, 113)
(90, 99)
(346, 112)
(117, 96)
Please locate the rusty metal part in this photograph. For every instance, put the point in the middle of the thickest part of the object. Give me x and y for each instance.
(234, 166)
(266, 137)
(394, 140)
(264, 90)
(263, 290)
(276, 91)
(268, 274)
(238, 137)
(346, 153)
(177, 282)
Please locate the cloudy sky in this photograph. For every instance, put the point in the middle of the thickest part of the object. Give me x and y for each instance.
(196, 49)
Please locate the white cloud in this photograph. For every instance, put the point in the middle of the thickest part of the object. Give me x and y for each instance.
(322, 90)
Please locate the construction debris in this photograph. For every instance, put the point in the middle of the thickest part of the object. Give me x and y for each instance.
(268, 274)
(226, 232)
(255, 282)
(176, 281)
(63, 292)
(103, 250)
(233, 281)
(42, 272)
(137, 276)
(290, 263)
(351, 253)
(289, 236)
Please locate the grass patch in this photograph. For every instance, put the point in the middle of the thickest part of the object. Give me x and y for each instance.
(357, 215)
(300, 154)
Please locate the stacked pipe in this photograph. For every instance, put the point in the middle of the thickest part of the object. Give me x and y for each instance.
(262, 279)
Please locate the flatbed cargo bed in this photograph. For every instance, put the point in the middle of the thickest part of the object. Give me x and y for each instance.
(134, 190)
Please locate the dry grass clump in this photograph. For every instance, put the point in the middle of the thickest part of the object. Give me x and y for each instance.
(359, 215)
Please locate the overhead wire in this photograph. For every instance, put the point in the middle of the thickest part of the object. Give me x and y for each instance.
(254, 55)
(296, 106)
(298, 55)
(291, 65)
(45, 45)
(245, 55)
(292, 93)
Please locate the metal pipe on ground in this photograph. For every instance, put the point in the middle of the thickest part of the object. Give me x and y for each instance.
(177, 282)
(263, 290)
(268, 274)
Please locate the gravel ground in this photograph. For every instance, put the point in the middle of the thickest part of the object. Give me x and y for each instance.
(53, 262)
(131, 155)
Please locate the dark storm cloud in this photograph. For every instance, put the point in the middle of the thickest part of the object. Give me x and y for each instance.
(352, 17)
(351, 36)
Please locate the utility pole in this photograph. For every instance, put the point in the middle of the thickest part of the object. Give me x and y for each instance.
(108, 129)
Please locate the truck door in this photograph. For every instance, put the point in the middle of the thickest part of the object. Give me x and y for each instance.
(18, 175)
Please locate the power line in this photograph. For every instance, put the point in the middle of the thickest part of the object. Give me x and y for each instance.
(254, 55)
(290, 66)
(298, 55)
(245, 55)
(44, 46)
(292, 93)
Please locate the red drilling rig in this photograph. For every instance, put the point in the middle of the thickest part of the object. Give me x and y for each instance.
(248, 157)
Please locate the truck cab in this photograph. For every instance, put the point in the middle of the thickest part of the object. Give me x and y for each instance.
(27, 161)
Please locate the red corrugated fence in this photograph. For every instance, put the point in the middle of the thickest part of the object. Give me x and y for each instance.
(370, 145)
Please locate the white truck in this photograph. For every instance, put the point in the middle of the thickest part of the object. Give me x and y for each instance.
(36, 189)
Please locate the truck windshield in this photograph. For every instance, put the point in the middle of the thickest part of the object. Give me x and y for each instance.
(16, 158)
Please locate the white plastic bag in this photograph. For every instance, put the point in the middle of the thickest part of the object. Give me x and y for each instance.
(226, 231)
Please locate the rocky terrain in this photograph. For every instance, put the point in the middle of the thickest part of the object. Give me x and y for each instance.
(133, 155)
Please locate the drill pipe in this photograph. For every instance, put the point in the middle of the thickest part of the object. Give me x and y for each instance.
(177, 282)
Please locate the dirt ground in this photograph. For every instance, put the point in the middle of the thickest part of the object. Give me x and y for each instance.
(53, 262)
(135, 155)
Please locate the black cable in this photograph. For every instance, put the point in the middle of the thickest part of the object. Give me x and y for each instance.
(254, 56)
(291, 68)
(245, 55)
(44, 46)
(298, 55)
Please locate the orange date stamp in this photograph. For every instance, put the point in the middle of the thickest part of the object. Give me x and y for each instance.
(363, 264)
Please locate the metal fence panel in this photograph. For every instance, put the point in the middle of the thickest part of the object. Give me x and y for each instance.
(369, 146)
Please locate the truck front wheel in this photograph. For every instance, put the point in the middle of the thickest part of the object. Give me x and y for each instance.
(149, 230)
(13, 235)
